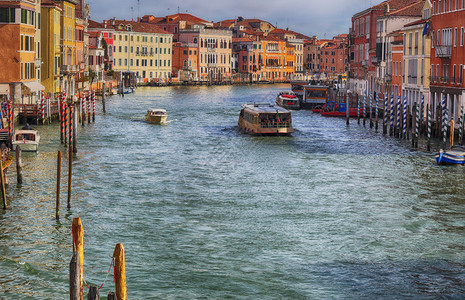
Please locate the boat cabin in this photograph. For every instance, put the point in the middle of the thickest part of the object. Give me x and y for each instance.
(314, 95)
(265, 119)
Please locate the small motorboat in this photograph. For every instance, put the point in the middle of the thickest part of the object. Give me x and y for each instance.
(288, 100)
(156, 116)
(27, 138)
(454, 156)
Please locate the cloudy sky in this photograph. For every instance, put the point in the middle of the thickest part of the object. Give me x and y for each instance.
(324, 18)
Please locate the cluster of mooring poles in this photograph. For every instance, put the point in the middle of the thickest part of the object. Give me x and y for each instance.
(409, 123)
(76, 270)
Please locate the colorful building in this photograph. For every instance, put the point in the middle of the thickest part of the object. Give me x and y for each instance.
(214, 47)
(448, 55)
(249, 62)
(82, 13)
(142, 48)
(69, 67)
(185, 62)
(397, 60)
(274, 59)
(107, 34)
(417, 58)
(50, 46)
(20, 76)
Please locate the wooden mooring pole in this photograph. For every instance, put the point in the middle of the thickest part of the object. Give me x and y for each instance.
(78, 246)
(19, 165)
(347, 109)
(103, 97)
(120, 272)
(57, 210)
(93, 293)
(75, 277)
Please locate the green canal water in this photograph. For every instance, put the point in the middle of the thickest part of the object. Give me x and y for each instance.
(206, 212)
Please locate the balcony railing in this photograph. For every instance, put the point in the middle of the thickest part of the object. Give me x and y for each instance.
(364, 63)
(444, 79)
(444, 51)
(68, 68)
(375, 60)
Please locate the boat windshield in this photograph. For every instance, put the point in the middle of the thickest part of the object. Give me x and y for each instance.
(25, 137)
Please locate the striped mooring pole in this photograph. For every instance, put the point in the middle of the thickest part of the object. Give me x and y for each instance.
(10, 118)
(70, 116)
(445, 127)
(461, 126)
(364, 108)
(358, 109)
(398, 116)
(83, 109)
(417, 126)
(377, 111)
(88, 106)
(404, 131)
(62, 117)
(422, 115)
(65, 122)
(385, 115)
(93, 106)
(430, 116)
(444, 121)
(391, 127)
(371, 110)
(42, 108)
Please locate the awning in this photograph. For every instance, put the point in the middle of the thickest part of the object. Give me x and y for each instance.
(33, 86)
(4, 89)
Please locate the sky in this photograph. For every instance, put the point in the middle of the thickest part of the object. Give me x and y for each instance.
(323, 18)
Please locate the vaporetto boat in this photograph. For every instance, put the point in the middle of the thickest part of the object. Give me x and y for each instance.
(265, 118)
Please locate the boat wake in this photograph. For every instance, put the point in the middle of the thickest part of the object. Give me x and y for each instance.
(167, 122)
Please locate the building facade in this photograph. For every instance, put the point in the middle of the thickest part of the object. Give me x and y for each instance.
(141, 48)
(448, 55)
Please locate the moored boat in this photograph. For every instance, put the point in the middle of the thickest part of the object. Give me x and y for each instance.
(27, 138)
(353, 112)
(288, 100)
(265, 119)
(156, 116)
(454, 156)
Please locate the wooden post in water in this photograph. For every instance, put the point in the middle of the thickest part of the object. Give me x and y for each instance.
(2, 182)
(111, 296)
(371, 110)
(120, 272)
(74, 277)
(57, 210)
(408, 123)
(19, 166)
(70, 173)
(78, 246)
(93, 293)
(358, 109)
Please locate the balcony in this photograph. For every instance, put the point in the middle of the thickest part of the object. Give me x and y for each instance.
(375, 60)
(65, 69)
(37, 63)
(444, 51)
(444, 79)
(388, 77)
(365, 63)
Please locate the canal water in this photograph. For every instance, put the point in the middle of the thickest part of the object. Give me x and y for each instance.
(206, 212)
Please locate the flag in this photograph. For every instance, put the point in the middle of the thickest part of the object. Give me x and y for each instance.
(427, 28)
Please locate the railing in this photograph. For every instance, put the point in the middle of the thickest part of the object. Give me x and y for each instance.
(444, 51)
(375, 60)
(275, 125)
(68, 68)
(444, 79)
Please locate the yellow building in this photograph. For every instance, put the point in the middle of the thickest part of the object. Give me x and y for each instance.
(142, 48)
(68, 45)
(417, 50)
(50, 46)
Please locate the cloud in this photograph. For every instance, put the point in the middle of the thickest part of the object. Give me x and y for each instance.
(310, 17)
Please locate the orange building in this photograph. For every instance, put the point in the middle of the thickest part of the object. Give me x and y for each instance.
(289, 61)
(18, 29)
(274, 59)
(185, 61)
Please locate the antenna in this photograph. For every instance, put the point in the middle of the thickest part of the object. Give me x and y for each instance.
(138, 8)
(178, 9)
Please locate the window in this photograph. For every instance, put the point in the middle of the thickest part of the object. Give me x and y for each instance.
(455, 37)
(454, 73)
(460, 74)
(461, 36)
(7, 15)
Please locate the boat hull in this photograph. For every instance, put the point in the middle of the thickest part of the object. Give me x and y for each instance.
(291, 103)
(155, 119)
(445, 158)
(27, 147)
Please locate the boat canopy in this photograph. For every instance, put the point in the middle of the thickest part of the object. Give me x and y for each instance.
(265, 108)
(157, 110)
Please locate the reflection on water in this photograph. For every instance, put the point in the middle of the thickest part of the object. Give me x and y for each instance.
(205, 211)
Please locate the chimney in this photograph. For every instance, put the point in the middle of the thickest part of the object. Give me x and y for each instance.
(104, 23)
(113, 21)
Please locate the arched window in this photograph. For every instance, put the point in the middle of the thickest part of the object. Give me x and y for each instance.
(195, 40)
